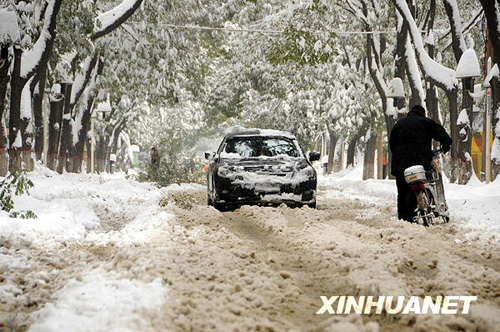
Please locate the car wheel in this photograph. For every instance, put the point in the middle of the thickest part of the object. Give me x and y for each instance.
(209, 201)
(220, 206)
(312, 205)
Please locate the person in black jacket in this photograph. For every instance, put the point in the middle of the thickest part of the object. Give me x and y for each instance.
(411, 144)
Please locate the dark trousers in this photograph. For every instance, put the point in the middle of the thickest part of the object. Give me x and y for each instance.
(407, 201)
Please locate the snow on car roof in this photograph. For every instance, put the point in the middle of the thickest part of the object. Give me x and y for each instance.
(242, 131)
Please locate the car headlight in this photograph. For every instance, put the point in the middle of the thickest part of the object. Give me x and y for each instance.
(309, 172)
(223, 172)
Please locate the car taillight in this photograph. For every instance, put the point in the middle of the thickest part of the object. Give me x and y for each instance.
(417, 186)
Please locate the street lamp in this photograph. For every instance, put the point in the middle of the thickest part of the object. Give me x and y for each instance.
(468, 69)
(397, 92)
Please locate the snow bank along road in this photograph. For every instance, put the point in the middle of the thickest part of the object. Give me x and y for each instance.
(105, 256)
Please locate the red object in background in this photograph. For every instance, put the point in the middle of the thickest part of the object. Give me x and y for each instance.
(479, 142)
(205, 168)
(384, 161)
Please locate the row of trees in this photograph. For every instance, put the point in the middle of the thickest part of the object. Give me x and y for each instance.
(328, 79)
(278, 64)
(60, 46)
(424, 56)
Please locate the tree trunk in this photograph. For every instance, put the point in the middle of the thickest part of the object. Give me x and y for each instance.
(88, 145)
(101, 155)
(400, 68)
(465, 134)
(339, 155)
(456, 161)
(495, 123)
(55, 121)
(4, 81)
(76, 152)
(26, 128)
(380, 154)
(431, 100)
(16, 87)
(351, 150)
(38, 114)
(66, 130)
(462, 161)
(369, 159)
(331, 152)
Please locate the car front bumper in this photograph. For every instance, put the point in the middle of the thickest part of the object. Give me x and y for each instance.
(301, 193)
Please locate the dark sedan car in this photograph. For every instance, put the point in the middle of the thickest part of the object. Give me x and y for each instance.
(264, 167)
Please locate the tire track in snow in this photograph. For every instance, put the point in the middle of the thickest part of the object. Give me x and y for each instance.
(346, 247)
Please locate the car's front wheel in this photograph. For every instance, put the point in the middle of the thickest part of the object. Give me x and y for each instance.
(220, 206)
(312, 205)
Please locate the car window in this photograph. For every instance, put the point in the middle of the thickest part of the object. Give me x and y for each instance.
(253, 147)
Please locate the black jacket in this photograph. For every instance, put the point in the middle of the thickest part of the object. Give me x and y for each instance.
(411, 141)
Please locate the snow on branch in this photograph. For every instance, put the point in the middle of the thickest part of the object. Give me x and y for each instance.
(494, 72)
(413, 73)
(476, 18)
(110, 20)
(442, 76)
(456, 25)
(83, 79)
(32, 58)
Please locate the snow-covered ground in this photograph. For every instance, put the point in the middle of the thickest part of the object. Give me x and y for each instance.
(475, 206)
(109, 254)
(53, 256)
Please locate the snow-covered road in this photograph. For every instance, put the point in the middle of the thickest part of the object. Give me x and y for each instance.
(134, 265)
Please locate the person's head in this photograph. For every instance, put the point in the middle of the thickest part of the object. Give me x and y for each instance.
(418, 109)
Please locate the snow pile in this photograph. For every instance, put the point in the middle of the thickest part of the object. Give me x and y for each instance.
(76, 206)
(100, 223)
(468, 66)
(396, 89)
(101, 301)
(348, 183)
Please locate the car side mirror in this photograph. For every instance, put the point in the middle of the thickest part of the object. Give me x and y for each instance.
(209, 155)
(313, 156)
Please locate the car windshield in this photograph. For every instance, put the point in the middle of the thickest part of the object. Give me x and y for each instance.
(255, 147)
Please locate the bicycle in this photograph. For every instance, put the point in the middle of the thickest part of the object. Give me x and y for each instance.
(429, 191)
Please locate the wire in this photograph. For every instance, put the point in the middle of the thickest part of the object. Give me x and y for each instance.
(275, 32)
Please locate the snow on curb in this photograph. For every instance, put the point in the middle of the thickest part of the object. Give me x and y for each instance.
(101, 301)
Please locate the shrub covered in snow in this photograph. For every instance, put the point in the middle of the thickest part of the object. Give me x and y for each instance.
(20, 183)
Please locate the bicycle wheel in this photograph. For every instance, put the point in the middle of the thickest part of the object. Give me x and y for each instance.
(427, 202)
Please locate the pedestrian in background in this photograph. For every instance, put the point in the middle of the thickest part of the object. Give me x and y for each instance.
(155, 163)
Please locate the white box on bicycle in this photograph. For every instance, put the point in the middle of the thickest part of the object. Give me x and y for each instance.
(415, 174)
